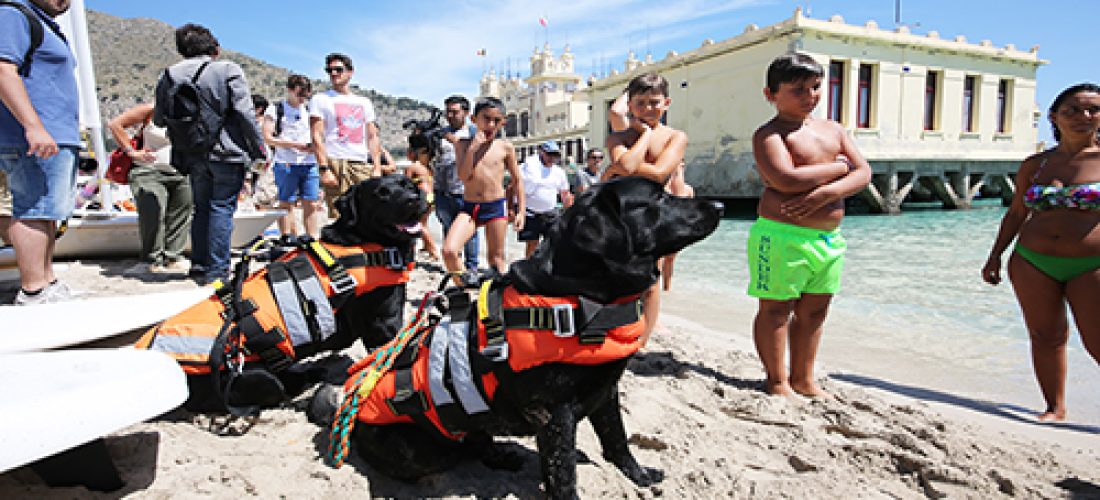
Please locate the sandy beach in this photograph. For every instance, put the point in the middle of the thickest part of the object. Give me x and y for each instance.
(693, 407)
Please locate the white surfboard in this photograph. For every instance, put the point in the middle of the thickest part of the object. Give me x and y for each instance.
(57, 400)
(50, 326)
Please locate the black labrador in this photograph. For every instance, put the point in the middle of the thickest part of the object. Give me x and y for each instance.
(384, 210)
(605, 246)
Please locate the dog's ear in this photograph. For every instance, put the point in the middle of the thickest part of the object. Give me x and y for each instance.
(601, 229)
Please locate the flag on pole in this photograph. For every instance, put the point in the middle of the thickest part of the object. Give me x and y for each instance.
(543, 21)
(481, 52)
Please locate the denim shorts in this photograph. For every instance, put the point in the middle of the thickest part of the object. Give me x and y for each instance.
(297, 180)
(40, 189)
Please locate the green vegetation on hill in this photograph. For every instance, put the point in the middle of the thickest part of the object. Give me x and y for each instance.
(130, 54)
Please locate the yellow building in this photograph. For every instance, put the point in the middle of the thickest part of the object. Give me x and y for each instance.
(550, 104)
(938, 115)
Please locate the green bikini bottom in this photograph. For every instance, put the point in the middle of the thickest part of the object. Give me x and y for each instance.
(1061, 269)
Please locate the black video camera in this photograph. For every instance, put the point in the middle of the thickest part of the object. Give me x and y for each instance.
(429, 131)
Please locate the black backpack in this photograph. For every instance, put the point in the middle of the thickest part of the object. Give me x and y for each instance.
(194, 124)
(33, 19)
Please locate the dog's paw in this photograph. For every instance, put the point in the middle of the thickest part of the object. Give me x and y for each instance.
(636, 473)
(325, 403)
(501, 457)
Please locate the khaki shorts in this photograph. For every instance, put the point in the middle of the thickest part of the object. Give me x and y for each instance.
(5, 196)
(348, 173)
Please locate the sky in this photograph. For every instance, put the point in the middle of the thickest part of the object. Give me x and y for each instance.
(428, 50)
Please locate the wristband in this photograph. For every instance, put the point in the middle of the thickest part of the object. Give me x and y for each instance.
(323, 168)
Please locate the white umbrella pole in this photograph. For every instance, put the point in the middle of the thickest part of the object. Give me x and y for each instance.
(74, 24)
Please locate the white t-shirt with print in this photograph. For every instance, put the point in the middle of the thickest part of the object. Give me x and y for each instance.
(541, 184)
(345, 117)
(295, 129)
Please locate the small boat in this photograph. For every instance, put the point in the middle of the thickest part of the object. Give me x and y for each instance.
(115, 234)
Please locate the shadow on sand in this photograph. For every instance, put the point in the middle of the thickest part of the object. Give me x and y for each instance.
(1003, 410)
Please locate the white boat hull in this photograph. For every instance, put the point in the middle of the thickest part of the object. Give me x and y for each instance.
(116, 235)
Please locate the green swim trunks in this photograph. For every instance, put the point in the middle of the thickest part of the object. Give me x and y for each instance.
(786, 261)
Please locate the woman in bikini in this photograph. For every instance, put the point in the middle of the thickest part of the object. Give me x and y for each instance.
(1055, 217)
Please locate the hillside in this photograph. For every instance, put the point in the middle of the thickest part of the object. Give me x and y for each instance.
(129, 55)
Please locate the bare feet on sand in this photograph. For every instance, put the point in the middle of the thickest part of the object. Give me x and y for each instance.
(1053, 415)
(810, 390)
(779, 389)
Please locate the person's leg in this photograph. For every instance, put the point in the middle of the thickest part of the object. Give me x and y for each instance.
(496, 231)
(287, 188)
(471, 250)
(42, 194)
(227, 181)
(31, 239)
(461, 230)
(1082, 292)
(769, 333)
(202, 185)
(333, 192)
(651, 308)
(427, 239)
(310, 196)
(151, 200)
(805, 336)
(1042, 300)
(177, 216)
(667, 264)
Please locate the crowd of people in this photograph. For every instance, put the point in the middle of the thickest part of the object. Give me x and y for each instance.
(313, 146)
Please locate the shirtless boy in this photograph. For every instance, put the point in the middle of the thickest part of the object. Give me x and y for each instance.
(795, 250)
(482, 161)
(646, 148)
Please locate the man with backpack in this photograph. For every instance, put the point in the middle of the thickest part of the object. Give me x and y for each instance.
(206, 105)
(39, 138)
(287, 131)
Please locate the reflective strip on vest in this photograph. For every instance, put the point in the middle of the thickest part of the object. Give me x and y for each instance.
(461, 375)
(286, 296)
(437, 362)
(315, 293)
(182, 344)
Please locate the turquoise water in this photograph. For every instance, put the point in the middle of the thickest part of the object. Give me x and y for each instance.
(913, 309)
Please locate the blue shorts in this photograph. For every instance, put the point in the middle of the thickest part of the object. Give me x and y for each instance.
(485, 211)
(40, 189)
(297, 180)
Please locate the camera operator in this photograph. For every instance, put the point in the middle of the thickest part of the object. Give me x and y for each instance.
(448, 187)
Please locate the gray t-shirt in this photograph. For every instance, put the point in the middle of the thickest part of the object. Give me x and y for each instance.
(446, 168)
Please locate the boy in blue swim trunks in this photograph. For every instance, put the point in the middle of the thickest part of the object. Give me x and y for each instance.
(795, 250)
(482, 161)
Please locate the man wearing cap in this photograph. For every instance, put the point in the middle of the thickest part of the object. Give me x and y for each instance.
(544, 182)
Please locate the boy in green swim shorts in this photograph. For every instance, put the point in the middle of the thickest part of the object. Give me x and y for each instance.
(795, 250)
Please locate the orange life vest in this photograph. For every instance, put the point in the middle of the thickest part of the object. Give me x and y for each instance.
(270, 326)
(535, 329)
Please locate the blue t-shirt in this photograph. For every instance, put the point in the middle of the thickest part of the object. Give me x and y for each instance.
(52, 84)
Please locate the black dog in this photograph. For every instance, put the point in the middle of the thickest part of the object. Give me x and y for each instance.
(384, 211)
(604, 247)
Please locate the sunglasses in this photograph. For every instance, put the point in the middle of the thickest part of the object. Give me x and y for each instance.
(335, 69)
(595, 157)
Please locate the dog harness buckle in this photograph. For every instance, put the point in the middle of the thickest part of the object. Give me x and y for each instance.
(343, 284)
(564, 324)
(497, 353)
(391, 259)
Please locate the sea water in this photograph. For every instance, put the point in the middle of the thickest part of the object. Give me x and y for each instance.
(913, 314)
